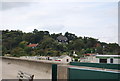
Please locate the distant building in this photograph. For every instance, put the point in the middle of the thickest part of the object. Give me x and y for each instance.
(65, 58)
(62, 39)
(115, 59)
(32, 45)
(88, 58)
(74, 54)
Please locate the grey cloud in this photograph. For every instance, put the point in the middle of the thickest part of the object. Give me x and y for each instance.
(10, 5)
(54, 28)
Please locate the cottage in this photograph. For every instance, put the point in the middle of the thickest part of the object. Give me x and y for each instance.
(64, 58)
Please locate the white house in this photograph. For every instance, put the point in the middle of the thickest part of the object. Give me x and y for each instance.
(88, 58)
(64, 58)
(115, 59)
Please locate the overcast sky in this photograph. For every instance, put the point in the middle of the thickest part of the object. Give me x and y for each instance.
(93, 19)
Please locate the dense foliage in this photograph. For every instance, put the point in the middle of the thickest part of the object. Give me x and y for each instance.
(15, 43)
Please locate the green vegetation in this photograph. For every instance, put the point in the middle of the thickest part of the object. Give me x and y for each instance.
(15, 43)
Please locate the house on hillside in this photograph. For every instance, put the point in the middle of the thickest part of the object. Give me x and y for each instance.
(32, 45)
(62, 39)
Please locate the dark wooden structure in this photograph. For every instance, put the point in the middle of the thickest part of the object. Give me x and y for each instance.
(24, 76)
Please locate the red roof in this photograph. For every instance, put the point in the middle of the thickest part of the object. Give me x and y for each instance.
(32, 45)
(89, 54)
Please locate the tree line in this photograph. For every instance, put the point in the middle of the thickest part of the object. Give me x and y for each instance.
(14, 42)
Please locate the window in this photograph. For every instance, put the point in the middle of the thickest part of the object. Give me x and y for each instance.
(111, 60)
(67, 60)
(103, 61)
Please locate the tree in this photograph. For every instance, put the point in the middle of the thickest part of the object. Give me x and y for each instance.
(17, 52)
(29, 37)
(28, 50)
(54, 36)
(70, 36)
(112, 48)
(90, 42)
(47, 42)
(77, 44)
(99, 49)
(23, 44)
(15, 42)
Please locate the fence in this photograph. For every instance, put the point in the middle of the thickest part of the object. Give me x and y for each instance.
(93, 75)
(97, 65)
(77, 74)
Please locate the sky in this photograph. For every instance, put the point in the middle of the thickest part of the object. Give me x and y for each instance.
(91, 18)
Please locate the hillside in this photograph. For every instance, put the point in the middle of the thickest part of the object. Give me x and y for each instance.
(15, 43)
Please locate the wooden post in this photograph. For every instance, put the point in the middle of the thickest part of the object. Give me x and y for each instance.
(23, 75)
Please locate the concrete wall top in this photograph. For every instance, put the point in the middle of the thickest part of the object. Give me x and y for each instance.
(40, 61)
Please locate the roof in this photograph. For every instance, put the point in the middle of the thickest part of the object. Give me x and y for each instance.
(108, 55)
(32, 45)
(75, 55)
(64, 38)
(89, 54)
(62, 56)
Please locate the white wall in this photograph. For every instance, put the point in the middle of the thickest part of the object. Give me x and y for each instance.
(91, 59)
(65, 59)
(96, 60)
(108, 60)
(116, 61)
